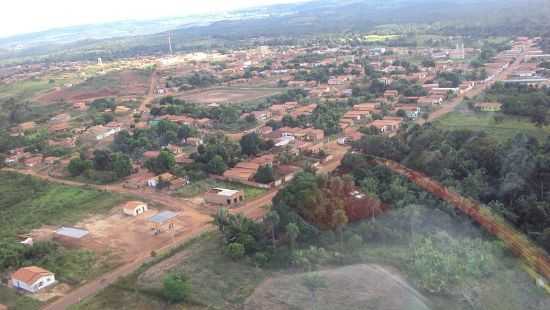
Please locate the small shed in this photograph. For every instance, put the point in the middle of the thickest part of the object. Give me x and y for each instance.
(134, 208)
(70, 236)
(161, 220)
(71, 232)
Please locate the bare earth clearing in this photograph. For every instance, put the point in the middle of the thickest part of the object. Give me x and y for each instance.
(125, 83)
(351, 287)
(227, 95)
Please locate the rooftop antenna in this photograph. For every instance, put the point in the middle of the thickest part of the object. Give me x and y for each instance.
(170, 42)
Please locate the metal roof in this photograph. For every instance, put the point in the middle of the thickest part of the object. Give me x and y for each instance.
(71, 232)
(162, 217)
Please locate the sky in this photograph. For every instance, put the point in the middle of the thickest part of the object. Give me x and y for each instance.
(23, 16)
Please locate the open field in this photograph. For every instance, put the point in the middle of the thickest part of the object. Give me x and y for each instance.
(27, 203)
(24, 90)
(224, 95)
(370, 274)
(123, 83)
(502, 131)
(380, 38)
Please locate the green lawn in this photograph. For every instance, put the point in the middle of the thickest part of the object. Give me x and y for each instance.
(502, 131)
(197, 188)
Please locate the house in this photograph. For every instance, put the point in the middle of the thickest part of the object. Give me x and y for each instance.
(80, 105)
(151, 154)
(50, 160)
(33, 161)
(194, 141)
(222, 196)
(265, 130)
(134, 208)
(287, 173)
(488, 106)
(387, 124)
(59, 127)
(429, 101)
(26, 126)
(32, 279)
(121, 109)
(101, 132)
(245, 171)
(174, 149)
(355, 116)
(391, 94)
(412, 111)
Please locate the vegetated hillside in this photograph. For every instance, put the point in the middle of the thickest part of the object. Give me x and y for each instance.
(290, 21)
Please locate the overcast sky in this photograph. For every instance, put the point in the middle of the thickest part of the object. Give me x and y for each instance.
(22, 16)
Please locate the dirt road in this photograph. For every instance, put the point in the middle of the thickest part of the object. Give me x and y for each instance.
(201, 223)
(478, 89)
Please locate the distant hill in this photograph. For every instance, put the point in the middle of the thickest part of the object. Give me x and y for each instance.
(131, 38)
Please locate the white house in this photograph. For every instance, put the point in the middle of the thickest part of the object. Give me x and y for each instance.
(32, 279)
(134, 208)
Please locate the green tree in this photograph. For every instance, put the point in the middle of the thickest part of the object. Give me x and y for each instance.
(216, 165)
(250, 144)
(78, 166)
(122, 165)
(162, 163)
(102, 160)
(176, 287)
(264, 175)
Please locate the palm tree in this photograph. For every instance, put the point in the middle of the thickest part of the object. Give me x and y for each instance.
(273, 219)
(313, 282)
(221, 218)
(293, 231)
(340, 219)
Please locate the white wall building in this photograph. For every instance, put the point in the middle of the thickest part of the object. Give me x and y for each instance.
(32, 279)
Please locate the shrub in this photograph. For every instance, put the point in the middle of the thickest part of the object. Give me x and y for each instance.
(176, 288)
(235, 250)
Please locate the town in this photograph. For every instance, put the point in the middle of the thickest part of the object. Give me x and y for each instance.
(160, 150)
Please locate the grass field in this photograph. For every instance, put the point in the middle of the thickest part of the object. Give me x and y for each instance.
(197, 188)
(217, 282)
(27, 203)
(220, 283)
(502, 131)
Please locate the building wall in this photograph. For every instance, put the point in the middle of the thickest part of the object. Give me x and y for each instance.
(35, 287)
(223, 200)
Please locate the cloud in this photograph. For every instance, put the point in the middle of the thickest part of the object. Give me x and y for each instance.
(20, 16)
